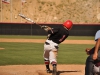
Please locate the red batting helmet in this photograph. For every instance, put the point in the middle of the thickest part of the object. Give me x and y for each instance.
(68, 24)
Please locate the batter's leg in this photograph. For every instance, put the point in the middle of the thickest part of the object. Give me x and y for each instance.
(46, 61)
(53, 61)
(53, 57)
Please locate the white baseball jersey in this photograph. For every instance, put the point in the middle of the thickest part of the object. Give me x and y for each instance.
(97, 35)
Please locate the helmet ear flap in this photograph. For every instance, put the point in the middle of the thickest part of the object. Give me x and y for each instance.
(68, 24)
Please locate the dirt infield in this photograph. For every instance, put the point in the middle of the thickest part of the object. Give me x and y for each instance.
(1, 48)
(40, 69)
(43, 40)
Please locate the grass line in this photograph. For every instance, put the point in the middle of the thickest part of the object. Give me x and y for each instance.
(44, 37)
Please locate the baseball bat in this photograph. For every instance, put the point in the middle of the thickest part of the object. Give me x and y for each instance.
(28, 19)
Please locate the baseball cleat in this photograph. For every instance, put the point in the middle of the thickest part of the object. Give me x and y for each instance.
(54, 72)
(48, 71)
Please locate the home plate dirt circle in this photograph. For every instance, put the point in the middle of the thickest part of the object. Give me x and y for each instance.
(40, 70)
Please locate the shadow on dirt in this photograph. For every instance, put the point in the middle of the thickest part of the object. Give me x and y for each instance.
(59, 72)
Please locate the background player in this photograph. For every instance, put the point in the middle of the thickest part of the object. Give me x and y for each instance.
(94, 55)
(55, 37)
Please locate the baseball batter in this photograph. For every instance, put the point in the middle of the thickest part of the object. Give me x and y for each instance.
(55, 37)
(94, 56)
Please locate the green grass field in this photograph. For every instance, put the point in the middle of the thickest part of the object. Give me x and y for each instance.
(32, 53)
